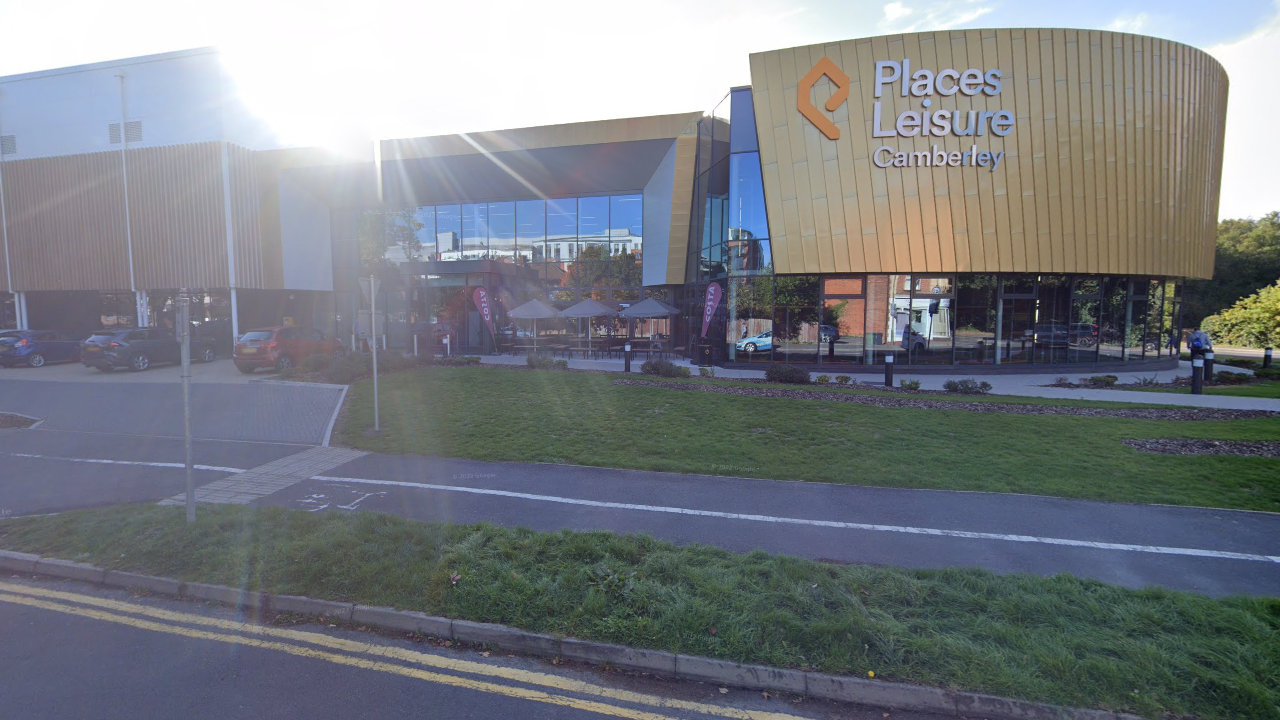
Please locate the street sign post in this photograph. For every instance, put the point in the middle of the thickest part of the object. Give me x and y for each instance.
(369, 288)
(184, 339)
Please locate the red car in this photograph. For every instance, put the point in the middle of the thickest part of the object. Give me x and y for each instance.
(282, 347)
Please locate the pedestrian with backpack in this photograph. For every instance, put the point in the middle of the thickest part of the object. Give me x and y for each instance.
(1198, 343)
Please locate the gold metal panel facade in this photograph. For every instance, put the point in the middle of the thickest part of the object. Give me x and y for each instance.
(1111, 142)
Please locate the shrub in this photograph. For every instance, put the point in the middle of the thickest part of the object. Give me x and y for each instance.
(564, 365)
(780, 373)
(843, 379)
(1267, 373)
(909, 384)
(1061, 380)
(539, 361)
(665, 368)
(1226, 377)
(1240, 363)
(350, 368)
(967, 386)
(1099, 381)
(315, 363)
(706, 372)
(1146, 381)
(823, 379)
(1254, 321)
(455, 361)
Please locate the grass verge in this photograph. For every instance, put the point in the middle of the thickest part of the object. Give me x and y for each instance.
(581, 419)
(1258, 389)
(1058, 639)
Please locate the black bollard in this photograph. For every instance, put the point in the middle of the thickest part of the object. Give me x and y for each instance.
(1266, 358)
(1197, 376)
(626, 354)
(888, 370)
(1208, 366)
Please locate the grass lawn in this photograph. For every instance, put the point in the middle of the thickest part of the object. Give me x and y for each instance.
(579, 418)
(1057, 639)
(1261, 390)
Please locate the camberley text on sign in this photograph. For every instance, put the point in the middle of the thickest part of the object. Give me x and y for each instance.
(929, 122)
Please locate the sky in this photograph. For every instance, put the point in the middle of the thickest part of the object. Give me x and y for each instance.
(325, 72)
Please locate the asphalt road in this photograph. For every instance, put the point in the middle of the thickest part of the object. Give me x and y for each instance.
(74, 651)
(1215, 552)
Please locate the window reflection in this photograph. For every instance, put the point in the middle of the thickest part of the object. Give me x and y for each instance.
(449, 232)
(475, 231)
(502, 231)
(531, 224)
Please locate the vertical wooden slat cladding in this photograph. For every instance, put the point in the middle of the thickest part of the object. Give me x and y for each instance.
(177, 219)
(1114, 164)
(247, 229)
(66, 223)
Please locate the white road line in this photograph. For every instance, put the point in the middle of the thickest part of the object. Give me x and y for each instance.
(1156, 549)
(143, 463)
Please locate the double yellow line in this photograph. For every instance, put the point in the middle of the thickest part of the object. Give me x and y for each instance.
(532, 686)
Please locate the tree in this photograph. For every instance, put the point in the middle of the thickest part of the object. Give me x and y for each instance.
(596, 268)
(1247, 259)
(1252, 322)
(382, 230)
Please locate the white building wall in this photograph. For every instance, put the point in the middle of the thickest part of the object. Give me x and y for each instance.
(180, 97)
(304, 239)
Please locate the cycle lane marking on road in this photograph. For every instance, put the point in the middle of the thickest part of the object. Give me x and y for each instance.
(835, 524)
(110, 611)
(838, 524)
(140, 463)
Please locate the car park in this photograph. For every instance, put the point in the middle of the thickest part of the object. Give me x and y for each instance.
(35, 348)
(140, 348)
(282, 347)
(1051, 334)
(1083, 334)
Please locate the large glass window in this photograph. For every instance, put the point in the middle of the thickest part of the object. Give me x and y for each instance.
(750, 332)
(475, 231)
(562, 230)
(975, 319)
(626, 224)
(748, 225)
(842, 332)
(502, 231)
(795, 318)
(593, 228)
(426, 233)
(1082, 332)
(1051, 333)
(932, 314)
(1111, 326)
(531, 230)
(449, 232)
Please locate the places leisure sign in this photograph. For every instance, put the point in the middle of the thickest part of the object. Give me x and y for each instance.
(931, 89)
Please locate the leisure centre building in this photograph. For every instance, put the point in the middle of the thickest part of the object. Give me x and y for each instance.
(985, 198)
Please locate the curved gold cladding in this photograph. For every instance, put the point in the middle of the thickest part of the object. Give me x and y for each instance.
(1112, 155)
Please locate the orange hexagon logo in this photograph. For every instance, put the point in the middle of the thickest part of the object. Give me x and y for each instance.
(805, 105)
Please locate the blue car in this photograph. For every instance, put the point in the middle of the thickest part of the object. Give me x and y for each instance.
(757, 343)
(36, 347)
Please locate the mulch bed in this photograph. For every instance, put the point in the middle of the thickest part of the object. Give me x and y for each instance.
(988, 407)
(8, 420)
(1207, 447)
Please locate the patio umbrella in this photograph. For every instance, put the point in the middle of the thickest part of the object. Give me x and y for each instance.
(533, 310)
(649, 308)
(588, 309)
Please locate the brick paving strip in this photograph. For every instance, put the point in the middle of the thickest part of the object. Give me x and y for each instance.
(254, 483)
(1192, 414)
(1207, 447)
(841, 688)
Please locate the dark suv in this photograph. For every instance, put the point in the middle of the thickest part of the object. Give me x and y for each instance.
(140, 348)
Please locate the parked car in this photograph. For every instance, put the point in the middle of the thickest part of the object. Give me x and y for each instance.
(282, 347)
(757, 343)
(36, 347)
(1083, 334)
(140, 348)
(219, 329)
(1050, 334)
(828, 333)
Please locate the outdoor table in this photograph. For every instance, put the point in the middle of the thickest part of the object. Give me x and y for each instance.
(585, 346)
(529, 343)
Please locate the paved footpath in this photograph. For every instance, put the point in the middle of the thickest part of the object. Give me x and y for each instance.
(1216, 552)
(71, 650)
